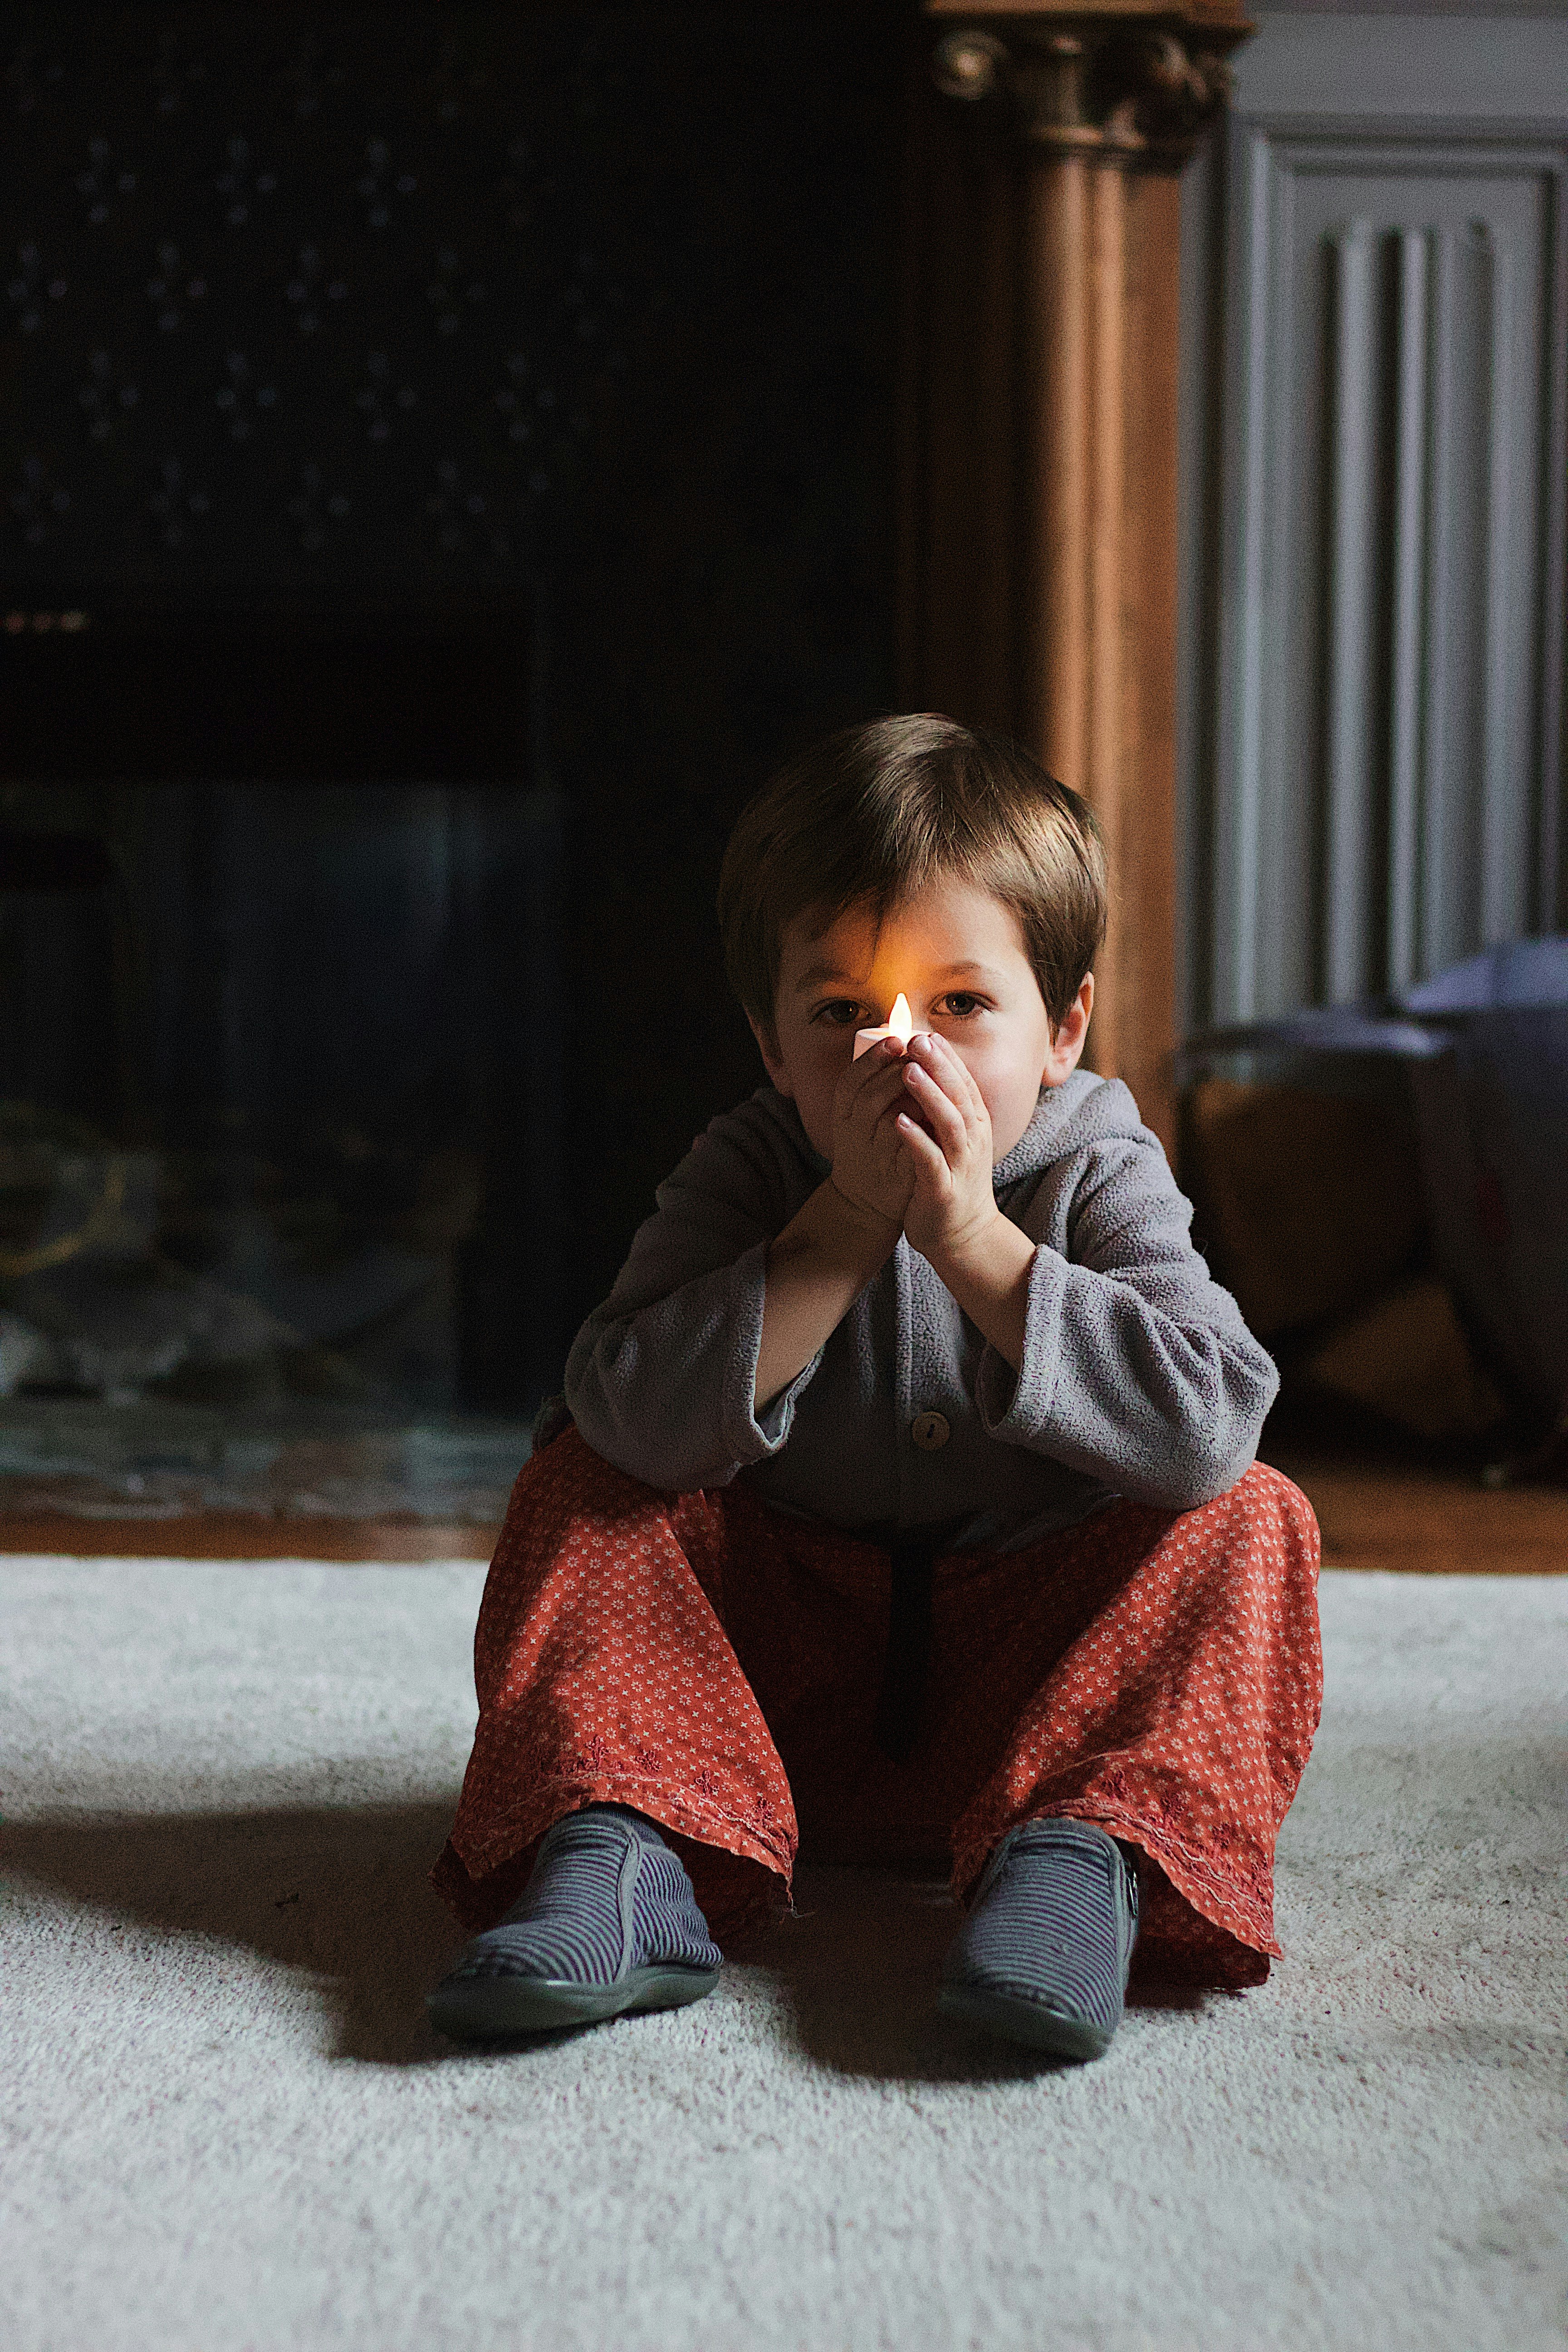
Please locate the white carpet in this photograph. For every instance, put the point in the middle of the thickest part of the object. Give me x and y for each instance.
(225, 2129)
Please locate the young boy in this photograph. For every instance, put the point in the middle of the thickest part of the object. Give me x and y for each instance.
(908, 1505)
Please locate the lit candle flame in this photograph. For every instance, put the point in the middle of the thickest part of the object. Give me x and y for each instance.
(901, 1025)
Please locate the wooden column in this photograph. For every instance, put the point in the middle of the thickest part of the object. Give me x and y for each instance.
(1041, 330)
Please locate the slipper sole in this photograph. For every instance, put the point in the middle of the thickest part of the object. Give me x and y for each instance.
(1016, 2017)
(486, 2008)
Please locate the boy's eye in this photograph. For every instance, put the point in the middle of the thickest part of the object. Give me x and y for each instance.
(840, 1014)
(961, 1004)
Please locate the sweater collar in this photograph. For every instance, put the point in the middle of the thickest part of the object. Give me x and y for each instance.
(1040, 1142)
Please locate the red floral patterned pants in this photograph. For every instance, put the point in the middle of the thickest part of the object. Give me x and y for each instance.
(717, 1665)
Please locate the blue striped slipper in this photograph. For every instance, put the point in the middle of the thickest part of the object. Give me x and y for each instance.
(1044, 1954)
(606, 1923)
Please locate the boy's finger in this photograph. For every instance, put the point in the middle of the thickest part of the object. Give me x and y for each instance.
(879, 1086)
(929, 1156)
(947, 1070)
(869, 1064)
(946, 1120)
(886, 1055)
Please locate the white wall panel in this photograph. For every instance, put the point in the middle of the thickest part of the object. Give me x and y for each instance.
(1378, 768)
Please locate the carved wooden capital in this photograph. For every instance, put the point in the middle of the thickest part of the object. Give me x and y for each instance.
(1125, 89)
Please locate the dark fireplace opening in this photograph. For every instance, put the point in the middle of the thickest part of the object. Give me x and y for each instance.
(280, 1056)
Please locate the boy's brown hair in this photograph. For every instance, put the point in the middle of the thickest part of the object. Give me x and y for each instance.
(872, 815)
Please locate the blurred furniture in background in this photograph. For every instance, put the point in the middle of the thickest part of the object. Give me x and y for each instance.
(1396, 1224)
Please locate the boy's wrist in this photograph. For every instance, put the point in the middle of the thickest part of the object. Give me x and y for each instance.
(833, 1230)
(816, 1268)
(985, 1260)
(967, 1248)
(862, 1225)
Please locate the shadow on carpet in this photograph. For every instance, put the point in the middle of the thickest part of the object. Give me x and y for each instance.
(858, 1966)
(339, 1893)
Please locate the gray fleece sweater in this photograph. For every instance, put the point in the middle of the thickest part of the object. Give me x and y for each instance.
(1139, 1378)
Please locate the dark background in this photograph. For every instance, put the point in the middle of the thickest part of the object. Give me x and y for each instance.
(491, 400)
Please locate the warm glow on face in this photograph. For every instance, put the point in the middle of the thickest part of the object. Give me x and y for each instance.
(952, 963)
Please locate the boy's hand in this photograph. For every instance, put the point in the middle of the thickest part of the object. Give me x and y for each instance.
(952, 1204)
(871, 1168)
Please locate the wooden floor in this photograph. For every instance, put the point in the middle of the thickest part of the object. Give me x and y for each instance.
(1389, 1516)
(1373, 1515)
(241, 1535)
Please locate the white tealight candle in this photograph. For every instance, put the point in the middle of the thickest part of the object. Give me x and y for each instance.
(900, 1025)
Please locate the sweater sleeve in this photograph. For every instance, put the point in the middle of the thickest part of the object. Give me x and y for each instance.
(660, 1379)
(1138, 1369)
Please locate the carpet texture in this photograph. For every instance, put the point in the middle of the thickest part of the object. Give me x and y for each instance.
(226, 2127)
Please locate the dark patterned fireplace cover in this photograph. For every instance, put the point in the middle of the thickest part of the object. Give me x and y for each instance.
(527, 373)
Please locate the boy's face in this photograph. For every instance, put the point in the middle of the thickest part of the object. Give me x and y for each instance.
(958, 955)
